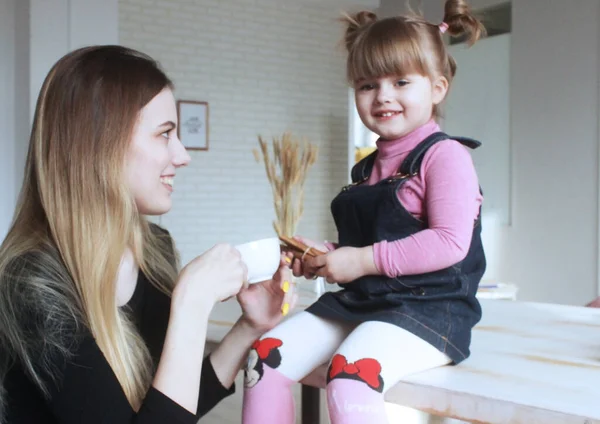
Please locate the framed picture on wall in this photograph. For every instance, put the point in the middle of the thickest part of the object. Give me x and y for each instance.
(193, 124)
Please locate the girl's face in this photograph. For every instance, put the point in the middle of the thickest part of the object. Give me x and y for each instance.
(154, 155)
(394, 106)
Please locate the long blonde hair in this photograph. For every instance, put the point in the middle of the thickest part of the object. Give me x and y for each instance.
(401, 45)
(75, 218)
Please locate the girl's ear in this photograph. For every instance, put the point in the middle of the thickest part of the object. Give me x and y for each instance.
(439, 89)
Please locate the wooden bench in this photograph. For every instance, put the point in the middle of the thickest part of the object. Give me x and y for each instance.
(531, 363)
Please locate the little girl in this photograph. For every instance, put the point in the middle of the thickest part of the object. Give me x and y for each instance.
(409, 257)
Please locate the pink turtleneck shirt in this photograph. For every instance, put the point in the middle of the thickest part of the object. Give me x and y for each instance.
(445, 194)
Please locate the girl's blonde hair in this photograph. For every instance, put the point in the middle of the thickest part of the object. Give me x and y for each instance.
(75, 218)
(406, 44)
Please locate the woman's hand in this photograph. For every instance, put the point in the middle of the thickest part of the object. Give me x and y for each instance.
(265, 304)
(343, 265)
(216, 275)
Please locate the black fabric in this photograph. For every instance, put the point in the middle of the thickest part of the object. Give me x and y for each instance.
(89, 392)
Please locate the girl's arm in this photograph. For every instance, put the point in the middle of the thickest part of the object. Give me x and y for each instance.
(452, 203)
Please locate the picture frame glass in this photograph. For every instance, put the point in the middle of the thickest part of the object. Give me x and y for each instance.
(193, 124)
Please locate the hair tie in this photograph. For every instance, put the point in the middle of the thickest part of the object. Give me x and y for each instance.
(443, 27)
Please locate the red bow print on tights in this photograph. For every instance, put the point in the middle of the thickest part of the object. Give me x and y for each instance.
(366, 369)
(264, 347)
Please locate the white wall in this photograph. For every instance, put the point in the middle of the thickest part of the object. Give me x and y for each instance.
(59, 26)
(14, 103)
(551, 249)
(480, 109)
(264, 66)
(22, 89)
(7, 119)
(553, 243)
(34, 34)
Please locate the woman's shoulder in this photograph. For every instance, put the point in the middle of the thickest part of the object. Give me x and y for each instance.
(36, 274)
(40, 324)
(39, 303)
(36, 262)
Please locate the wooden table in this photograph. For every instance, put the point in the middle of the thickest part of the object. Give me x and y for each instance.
(531, 363)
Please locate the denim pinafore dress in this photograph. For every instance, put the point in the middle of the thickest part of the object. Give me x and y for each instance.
(439, 307)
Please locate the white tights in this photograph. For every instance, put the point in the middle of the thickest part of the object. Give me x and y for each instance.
(310, 341)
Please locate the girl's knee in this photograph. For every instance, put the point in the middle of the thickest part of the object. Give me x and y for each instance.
(364, 370)
(264, 353)
(355, 391)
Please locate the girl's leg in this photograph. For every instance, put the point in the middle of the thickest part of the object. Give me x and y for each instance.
(282, 357)
(374, 357)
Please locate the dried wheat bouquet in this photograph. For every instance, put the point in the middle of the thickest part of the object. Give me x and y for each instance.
(287, 167)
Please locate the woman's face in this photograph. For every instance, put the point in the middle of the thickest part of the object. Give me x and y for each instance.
(155, 155)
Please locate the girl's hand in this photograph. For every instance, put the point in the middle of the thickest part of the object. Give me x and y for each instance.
(594, 303)
(265, 304)
(302, 268)
(344, 264)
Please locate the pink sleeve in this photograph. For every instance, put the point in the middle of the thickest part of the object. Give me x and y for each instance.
(451, 204)
(330, 245)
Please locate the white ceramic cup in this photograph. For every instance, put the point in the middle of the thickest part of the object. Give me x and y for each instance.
(261, 257)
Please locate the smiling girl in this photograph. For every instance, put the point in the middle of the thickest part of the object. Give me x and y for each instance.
(409, 257)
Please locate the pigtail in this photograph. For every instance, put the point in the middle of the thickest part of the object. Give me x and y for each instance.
(461, 20)
(451, 66)
(355, 23)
